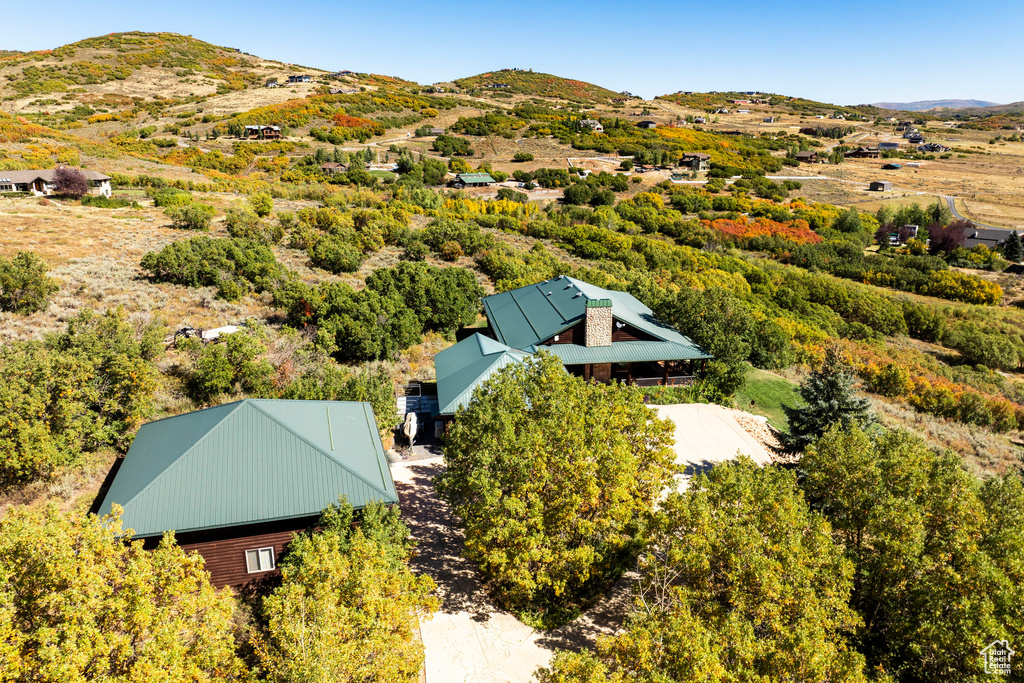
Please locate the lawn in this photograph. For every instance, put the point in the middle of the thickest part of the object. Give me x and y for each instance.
(383, 174)
(764, 394)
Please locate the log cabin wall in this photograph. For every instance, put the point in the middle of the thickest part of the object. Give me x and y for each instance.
(223, 550)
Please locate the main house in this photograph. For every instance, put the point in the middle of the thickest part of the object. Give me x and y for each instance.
(235, 482)
(597, 333)
(40, 183)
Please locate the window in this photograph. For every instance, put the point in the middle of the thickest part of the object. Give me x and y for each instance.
(259, 560)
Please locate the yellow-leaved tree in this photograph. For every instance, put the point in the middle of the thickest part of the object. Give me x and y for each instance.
(78, 602)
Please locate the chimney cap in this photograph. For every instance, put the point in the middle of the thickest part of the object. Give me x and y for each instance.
(599, 303)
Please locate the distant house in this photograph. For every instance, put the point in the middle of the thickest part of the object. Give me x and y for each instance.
(463, 180)
(40, 183)
(593, 124)
(272, 83)
(332, 167)
(700, 120)
(237, 481)
(933, 147)
(863, 153)
(740, 101)
(696, 161)
(299, 79)
(647, 124)
(344, 91)
(883, 146)
(742, 111)
(973, 236)
(768, 119)
(722, 110)
(891, 167)
(260, 132)
(807, 156)
(880, 186)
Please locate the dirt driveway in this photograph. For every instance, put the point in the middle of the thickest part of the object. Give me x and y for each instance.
(469, 639)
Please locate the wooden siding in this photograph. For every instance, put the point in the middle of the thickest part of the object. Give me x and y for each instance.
(573, 335)
(224, 549)
(629, 333)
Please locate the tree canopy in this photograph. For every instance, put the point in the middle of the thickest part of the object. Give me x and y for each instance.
(78, 603)
(554, 480)
(348, 606)
(741, 582)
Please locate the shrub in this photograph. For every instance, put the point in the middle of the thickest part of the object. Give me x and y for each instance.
(522, 156)
(233, 266)
(170, 196)
(335, 255)
(24, 284)
(191, 216)
(76, 391)
(243, 223)
(262, 203)
(444, 299)
(450, 250)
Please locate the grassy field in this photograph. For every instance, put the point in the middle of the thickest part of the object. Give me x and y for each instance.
(764, 394)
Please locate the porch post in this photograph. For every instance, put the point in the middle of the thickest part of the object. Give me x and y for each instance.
(664, 379)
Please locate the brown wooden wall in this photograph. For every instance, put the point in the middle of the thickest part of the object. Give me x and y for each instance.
(224, 549)
(629, 333)
(573, 335)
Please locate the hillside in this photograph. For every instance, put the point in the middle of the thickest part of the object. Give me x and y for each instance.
(925, 105)
(109, 71)
(539, 84)
(794, 105)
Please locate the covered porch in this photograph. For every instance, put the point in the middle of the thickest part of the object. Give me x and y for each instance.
(663, 373)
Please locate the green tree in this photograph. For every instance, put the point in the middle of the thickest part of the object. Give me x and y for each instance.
(444, 299)
(79, 603)
(348, 607)
(741, 582)
(24, 284)
(191, 216)
(235, 364)
(828, 400)
(938, 560)
(262, 203)
(1013, 250)
(87, 387)
(554, 480)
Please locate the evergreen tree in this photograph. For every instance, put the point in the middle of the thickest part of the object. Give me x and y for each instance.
(1013, 250)
(829, 400)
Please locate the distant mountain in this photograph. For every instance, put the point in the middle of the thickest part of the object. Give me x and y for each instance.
(536, 83)
(925, 105)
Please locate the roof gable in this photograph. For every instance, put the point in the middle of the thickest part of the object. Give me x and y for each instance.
(464, 366)
(527, 316)
(248, 462)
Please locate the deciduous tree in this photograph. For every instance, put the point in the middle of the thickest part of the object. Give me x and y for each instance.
(79, 603)
(70, 182)
(554, 480)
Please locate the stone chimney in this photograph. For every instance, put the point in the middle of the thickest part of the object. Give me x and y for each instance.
(597, 323)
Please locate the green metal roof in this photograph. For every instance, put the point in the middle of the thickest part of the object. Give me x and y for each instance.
(522, 318)
(475, 178)
(461, 368)
(247, 462)
(624, 352)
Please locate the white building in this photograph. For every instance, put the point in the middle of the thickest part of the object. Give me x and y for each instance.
(40, 183)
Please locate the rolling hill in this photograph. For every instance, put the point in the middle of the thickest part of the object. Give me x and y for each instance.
(925, 105)
(120, 68)
(539, 84)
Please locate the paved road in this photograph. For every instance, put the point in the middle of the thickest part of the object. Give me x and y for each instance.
(956, 214)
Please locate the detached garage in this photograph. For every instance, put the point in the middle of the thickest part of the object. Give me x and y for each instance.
(880, 186)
